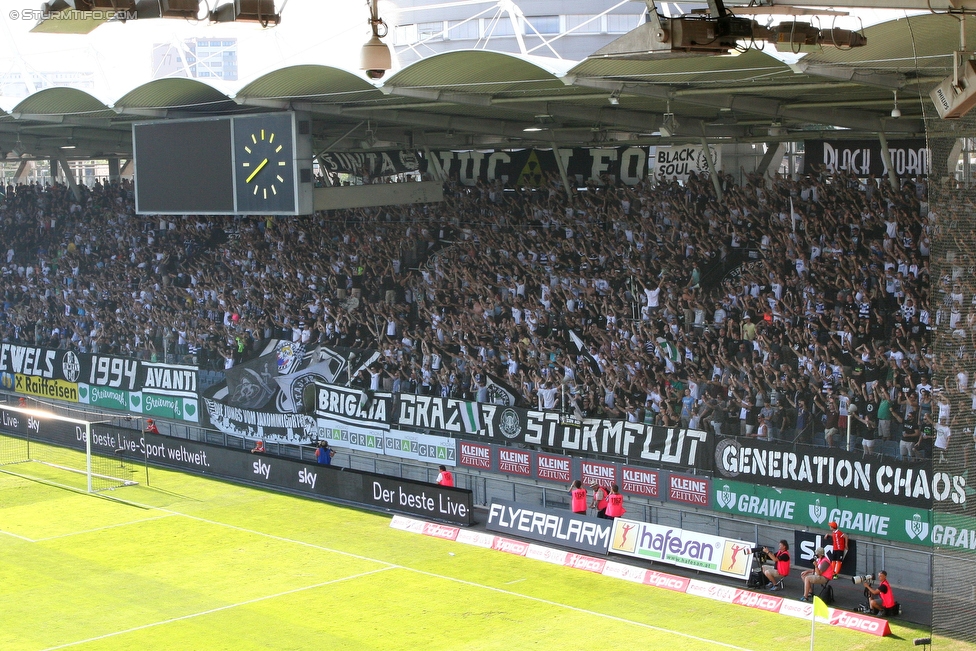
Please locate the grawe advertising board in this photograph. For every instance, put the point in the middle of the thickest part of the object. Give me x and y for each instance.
(426, 500)
(812, 510)
(561, 528)
(954, 532)
(699, 551)
(836, 472)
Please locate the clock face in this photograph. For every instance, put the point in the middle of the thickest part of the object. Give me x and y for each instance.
(264, 164)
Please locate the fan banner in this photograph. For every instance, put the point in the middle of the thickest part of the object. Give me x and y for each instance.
(863, 157)
(529, 167)
(836, 472)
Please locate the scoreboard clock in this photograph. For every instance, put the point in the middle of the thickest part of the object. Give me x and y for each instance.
(264, 164)
(257, 164)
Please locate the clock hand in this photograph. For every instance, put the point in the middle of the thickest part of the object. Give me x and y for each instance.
(256, 170)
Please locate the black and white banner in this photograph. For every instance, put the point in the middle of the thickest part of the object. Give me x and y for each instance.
(563, 528)
(863, 157)
(633, 442)
(344, 402)
(836, 472)
(98, 370)
(528, 167)
(444, 414)
(371, 163)
(679, 162)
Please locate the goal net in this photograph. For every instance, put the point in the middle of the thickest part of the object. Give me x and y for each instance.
(60, 444)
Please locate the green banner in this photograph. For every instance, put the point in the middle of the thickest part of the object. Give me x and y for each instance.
(140, 402)
(954, 532)
(808, 510)
(103, 396)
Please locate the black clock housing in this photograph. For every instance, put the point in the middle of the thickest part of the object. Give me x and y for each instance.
(264, 164)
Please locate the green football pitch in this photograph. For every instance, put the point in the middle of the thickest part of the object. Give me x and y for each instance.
(193, 563)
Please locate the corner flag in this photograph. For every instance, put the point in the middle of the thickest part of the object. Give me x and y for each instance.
(820, 608)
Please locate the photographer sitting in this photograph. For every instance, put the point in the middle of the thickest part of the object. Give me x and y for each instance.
(821, 573)
(881, 599)
(780, 569)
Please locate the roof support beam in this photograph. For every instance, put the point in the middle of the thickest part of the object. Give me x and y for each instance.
(604, 118)
(756, 106)
(485, 126)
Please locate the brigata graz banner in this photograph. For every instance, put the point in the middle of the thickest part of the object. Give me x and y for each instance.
(562, 528)
(813, 510)
(836, 472)
(122, 383)
(690, 549)
(863, 157)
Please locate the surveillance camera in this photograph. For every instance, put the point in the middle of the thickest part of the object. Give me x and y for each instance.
(896, 112)
(375, 58)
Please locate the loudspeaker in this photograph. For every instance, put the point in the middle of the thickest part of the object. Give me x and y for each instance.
(954, 102)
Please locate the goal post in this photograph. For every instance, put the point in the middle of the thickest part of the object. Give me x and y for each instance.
(67, 444)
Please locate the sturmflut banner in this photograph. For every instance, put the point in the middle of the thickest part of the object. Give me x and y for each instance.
(562, 528)
(636, 442)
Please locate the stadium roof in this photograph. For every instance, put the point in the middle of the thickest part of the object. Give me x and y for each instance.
(483, 99)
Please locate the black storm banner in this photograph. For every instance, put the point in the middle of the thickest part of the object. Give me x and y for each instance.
(836, 472)
(863, 157)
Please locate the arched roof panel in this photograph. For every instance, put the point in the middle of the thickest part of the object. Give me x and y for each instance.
(175, 93)
(750, 66)
(476, 71)
(313, 82)
(59, 101)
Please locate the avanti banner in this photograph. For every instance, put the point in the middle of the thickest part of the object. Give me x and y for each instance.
(165, 390)
(814, 510)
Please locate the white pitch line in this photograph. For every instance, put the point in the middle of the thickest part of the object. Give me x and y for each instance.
(110, 526)
(390, 566)
(622, 620)
(217, 610)
(462, 581)
(13, 535)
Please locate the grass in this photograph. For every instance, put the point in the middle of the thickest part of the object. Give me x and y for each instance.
(193, 563)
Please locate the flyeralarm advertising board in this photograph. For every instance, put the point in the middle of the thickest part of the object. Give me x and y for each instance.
(561, 528)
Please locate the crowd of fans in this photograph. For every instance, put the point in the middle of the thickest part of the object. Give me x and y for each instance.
(622, 302)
